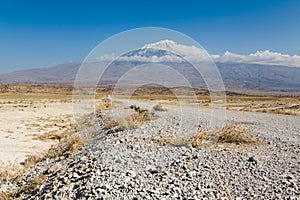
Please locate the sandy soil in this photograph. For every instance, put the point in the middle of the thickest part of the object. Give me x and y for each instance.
(23, 120)
(25, 117)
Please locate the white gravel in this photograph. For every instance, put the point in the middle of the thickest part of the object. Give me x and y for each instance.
(129, 165)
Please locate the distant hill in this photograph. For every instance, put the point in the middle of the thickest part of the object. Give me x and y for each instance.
(260, 77)
(236, 76)
(59, 73)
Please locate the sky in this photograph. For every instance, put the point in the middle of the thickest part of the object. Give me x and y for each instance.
(44, 33)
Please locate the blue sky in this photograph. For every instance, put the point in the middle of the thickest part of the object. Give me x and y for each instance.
(42, 33)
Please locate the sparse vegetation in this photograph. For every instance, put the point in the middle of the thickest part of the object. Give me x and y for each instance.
(235, 134)
(9, 171)
(15, 172)
(66, 147)
(198, 139)
(104, 103)
(57, 135)
(32, 185)
(32, 160)
(232, 134)
(277, 111)
(134, 120)
(172, 139)
(111, 123)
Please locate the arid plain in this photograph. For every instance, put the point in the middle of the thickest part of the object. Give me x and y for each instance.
(32, 114)
(36, 118)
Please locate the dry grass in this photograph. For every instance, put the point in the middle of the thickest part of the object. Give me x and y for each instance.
(24, 189)
(9, 171)
(52, 135)
(15, 173)
(235, 134)
(6, 196)
(232, 134)
(32, 160)
(66, 147)
(198, 139)
(35, 182)
(66, 143)
(277, 105)
(134, 120)
(111, 124)
(104, 104)
(277, 111)
(56, 135)
(164, 140)
(172, 139)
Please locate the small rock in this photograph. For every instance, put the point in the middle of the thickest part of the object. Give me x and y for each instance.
(75, 175)
(54, 168)
(131, 173)
(152, 169)
(289, 177)
(251, 159)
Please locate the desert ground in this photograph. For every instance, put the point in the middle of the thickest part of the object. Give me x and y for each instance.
(26, 118)
(255, 156)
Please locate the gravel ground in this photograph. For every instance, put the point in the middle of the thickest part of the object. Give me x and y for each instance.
(130, 165)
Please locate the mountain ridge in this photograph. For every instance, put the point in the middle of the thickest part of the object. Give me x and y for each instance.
(236, 75)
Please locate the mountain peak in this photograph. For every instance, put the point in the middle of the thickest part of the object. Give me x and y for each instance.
(162, 44)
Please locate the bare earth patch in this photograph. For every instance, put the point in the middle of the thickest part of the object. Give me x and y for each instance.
(25, 124)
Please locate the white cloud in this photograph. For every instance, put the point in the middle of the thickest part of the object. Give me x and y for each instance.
(260, 57)
(175, 53)
(195, 54)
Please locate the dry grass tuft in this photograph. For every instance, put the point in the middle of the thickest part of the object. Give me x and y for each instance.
(198, 139)
(52, 135)
(104, 104)
(32, 160)
(111, 124)
(32, 185)
(14, 173)
(235, 134)
(6, 195)
(164, 140)
(158, 107)
(140, 118)
(126, 124)
(278, 111)
(9, 171)
(58, 135)
(66, 147)
(134, 120)
(172, 139)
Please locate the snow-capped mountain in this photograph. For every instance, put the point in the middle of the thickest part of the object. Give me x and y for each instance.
(171, 46)
(170, 51)
(263, 70)
(166, 51)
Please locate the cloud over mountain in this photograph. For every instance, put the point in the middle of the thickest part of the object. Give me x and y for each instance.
(260, 57)
(260, 71)
(170, 51)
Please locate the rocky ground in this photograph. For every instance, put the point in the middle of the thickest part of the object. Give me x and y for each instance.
(130, 164)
